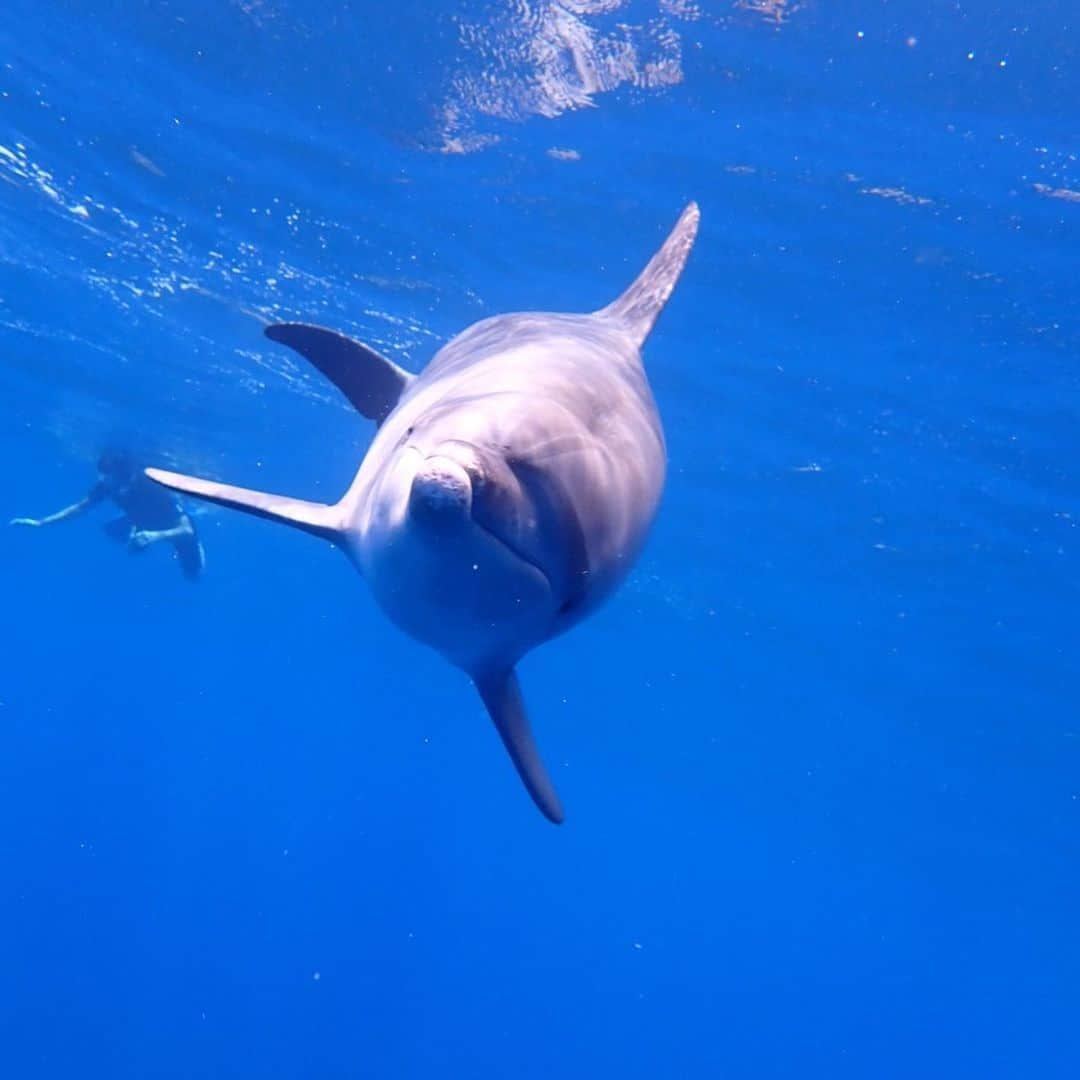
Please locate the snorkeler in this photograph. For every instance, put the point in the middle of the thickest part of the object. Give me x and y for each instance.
(150, 513)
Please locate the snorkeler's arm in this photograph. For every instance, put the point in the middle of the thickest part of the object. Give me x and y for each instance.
(94, 496)
(145, 537)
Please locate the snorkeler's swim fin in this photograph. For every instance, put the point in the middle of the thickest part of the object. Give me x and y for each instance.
(118, 530)
(319, 519)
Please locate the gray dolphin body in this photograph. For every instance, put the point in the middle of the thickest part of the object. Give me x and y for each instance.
(508, 488)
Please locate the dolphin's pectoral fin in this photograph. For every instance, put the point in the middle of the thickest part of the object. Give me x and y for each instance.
(501, 695)
(315, 518)
(638, 308)
(372, 383)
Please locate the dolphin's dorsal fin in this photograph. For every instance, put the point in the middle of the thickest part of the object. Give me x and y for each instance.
(372, 383)
(637, 309)
(315, 518)
(502, 697)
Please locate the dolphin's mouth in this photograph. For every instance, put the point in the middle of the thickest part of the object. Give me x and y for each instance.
(515, 551)
(447, 490)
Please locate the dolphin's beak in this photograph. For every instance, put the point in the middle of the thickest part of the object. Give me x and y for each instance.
(441, 492)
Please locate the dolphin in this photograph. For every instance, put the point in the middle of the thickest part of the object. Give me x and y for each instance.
(508, 488)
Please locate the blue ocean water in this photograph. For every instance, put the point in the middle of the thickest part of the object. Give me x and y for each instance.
(820, 756)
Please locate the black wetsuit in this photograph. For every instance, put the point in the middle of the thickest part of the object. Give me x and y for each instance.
(147, 506)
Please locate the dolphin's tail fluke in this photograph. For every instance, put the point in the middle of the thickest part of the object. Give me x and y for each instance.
(502, 696)
(315, 518)
(638, 308)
